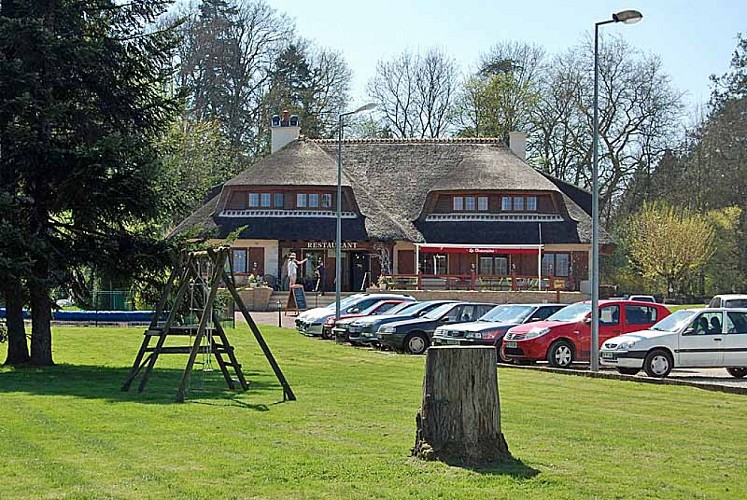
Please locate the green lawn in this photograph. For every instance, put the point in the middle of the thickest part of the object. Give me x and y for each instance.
(69, 431)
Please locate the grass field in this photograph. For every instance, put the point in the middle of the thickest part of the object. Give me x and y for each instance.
(69, 432)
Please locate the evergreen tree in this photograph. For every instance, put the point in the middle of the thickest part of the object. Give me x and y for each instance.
(82, 100)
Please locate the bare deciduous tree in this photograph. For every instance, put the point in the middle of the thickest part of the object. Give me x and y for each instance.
(415, 93)
(638, 117)
(500, 96)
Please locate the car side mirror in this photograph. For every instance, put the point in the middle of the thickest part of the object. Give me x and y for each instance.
(532, 320)
(587, 320)
(445, 319)
(354, 310)
(690, 330)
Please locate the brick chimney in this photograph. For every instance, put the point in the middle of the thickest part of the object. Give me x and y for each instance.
(517, 143)
(284, 128)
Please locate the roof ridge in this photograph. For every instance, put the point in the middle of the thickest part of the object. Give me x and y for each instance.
(415, 140)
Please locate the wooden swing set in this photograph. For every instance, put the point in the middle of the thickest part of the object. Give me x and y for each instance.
(200, 273)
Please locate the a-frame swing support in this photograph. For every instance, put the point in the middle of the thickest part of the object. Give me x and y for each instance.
(188, 269)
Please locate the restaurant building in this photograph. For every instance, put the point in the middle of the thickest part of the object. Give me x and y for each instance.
(425, 213)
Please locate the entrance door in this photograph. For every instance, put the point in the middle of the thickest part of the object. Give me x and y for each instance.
(359, 265)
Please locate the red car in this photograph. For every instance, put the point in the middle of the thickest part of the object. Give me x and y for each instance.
(565, 336)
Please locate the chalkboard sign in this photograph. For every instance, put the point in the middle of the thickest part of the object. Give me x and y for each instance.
(296, 298)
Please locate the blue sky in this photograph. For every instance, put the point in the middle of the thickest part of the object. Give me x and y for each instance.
(694, 38)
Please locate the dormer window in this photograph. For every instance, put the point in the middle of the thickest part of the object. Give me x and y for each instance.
(313, 200)
(519, 203)
(469, 203)
(265, 200)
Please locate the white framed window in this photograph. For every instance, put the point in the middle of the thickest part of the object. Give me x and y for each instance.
(518, 204)
(562, 264)
(506, 203)
(532, 203)
(265, 200)
(313, 200)
(253, 199)
(301, 200)
(482, 203)
(469, 203)
(326, 200)
(239, 260)
(458, 203)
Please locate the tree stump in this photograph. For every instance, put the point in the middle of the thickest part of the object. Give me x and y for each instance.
(460, 416)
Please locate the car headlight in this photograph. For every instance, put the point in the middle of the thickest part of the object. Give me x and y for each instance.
(624, 346)
(536, 332)
(387, 329)
(473, 335)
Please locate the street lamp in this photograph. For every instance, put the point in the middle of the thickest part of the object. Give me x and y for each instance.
(626, 17)
(338, 240)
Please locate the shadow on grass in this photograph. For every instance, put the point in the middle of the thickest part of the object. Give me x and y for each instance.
(105, 382)
(512, 467)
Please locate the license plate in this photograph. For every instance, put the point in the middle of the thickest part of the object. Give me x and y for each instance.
(452, 341)
(608, 355)
(512, 344)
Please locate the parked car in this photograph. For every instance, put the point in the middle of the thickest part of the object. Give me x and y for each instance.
(732, 300)
(565, 336)
(310, 322)
(363, 331)
(414, 335)
(490, 328)
(381, 307)
(640, 298)
(688, 338)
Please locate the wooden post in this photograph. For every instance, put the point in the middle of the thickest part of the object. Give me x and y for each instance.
(460, 417)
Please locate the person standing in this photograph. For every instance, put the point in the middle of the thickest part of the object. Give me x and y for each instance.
(320, 276)
(293, 269)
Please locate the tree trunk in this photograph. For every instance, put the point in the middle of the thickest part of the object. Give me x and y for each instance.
(460, 418)
(41, 332)
(18, 350)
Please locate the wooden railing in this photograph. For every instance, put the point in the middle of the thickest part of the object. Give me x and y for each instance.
(474, 282)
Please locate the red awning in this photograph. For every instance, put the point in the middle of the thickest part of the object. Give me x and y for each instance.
(479, 250)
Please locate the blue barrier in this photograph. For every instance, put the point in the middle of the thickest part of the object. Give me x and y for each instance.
(96, 316)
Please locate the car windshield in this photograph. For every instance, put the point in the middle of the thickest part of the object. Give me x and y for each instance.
(573, 312)
(507, 314)
(402, 308)
(347, 301)
(674, 322)
(438, 312)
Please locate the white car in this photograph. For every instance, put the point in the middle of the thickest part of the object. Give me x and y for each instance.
(689, 338)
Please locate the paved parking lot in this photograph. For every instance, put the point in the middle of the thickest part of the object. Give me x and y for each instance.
(704, 376)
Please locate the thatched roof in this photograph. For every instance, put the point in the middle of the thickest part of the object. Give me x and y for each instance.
(391, 180)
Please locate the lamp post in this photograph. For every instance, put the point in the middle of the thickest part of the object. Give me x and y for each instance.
(626, 17)
(338, 239)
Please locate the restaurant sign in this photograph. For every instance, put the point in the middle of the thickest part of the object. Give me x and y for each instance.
(346, 245)
(479, 250)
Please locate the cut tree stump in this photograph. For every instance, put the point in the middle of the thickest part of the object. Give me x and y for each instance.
(460, 417)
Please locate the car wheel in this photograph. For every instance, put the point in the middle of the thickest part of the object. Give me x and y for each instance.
(738, 372)
(628, 371)
(658, 363)
(416, 343)
(560, 354)
(502, 358)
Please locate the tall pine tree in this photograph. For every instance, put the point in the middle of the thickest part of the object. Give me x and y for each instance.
(81, 102)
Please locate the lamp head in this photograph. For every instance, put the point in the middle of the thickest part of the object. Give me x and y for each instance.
(627, 16)
(365, 107)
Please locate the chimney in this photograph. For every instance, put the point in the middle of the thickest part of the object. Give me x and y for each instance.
(517, 143)
(284, 129)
